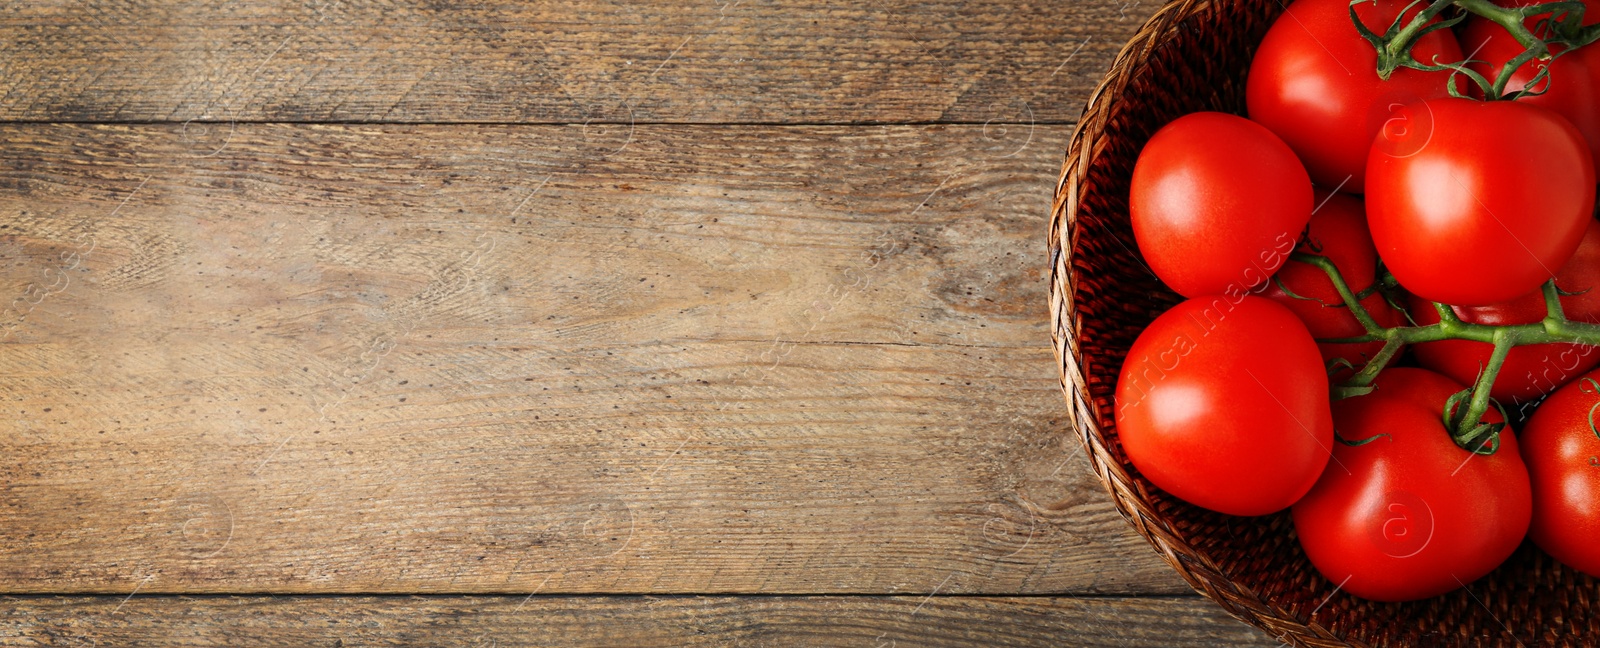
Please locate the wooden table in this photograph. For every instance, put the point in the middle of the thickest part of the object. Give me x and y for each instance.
(367, 322)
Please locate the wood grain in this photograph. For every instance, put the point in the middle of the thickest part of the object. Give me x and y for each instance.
(643, 622)
(314, 358)
(715, 61)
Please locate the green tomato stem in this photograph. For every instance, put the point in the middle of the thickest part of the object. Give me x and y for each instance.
(1466, 424)
(1564, 26)
(1394, 45)
(1343, 288)
(1552, 303)
(1555, 328)
(1513, 19)
(1446, 313)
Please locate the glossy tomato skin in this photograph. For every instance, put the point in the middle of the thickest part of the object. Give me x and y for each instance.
(1338, 231)
(1532, 370)
(1223, 402)
(1571, 90)
(1563, 457)
(1473, 203)
(1217, 203)
(1410, 515)
(1313, 83)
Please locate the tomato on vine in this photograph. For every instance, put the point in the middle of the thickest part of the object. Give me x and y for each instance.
(1473, 203)
(1403, 512)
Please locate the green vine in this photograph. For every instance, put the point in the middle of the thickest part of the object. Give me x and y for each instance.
(1557, 31)
(1466, 423)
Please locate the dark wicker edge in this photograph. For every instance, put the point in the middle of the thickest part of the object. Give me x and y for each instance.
(1128, 495)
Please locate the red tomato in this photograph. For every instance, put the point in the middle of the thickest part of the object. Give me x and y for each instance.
(1217, 204)
(1409, 514)
(1313, 83)
(1571, 90)
(1224, 404)
(1338, 231)
(1590, 56)
(1532, 370)
(1473, 203)
(1563, 456)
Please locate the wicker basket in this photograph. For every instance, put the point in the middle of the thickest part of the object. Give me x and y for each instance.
(1193, 55)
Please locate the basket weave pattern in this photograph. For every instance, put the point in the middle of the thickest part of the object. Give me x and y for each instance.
(1193, 55)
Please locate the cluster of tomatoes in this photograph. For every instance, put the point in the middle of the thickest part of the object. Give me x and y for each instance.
(1428, 206)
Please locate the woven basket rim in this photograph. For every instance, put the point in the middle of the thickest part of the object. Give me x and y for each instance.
(1128, 495)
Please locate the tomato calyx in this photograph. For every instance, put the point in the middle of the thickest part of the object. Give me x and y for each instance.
(1473, 434)
(1556, 30)
(1463, 413)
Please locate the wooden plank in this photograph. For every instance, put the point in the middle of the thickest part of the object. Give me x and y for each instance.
(719, 61)
(562, 621)
(313, 358)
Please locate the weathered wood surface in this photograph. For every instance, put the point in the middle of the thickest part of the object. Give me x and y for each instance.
(612, 357)
(643, 622)
(666, 359)
(711, 61)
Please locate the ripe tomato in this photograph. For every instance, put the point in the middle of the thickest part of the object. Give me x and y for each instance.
(1338, 230)
(1217, 204)
(1533, 370)
(1409, 515)
(1571, 90)
(1590, 56)
(1473, 203)
(1224, 403)
(1563, 455)
(1313, 83)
